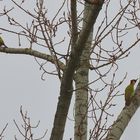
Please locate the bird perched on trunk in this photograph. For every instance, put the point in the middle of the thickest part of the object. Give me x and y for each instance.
(2, 42)
(129, 92)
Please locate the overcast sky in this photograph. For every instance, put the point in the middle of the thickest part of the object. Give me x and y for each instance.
(21, 84)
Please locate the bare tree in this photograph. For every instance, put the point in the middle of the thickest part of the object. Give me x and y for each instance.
(88, 25)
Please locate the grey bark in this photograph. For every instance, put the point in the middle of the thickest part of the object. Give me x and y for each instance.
(81, 84)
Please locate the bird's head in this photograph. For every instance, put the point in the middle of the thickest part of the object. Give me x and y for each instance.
(133, 81)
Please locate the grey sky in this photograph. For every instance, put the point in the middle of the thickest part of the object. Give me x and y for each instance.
(21, 84)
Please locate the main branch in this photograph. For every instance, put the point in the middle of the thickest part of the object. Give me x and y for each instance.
(31, 52)
(124, 118)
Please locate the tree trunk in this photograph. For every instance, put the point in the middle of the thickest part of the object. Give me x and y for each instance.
(66, 84)
(81, 84)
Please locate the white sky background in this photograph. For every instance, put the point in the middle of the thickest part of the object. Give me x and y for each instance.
(21, 84)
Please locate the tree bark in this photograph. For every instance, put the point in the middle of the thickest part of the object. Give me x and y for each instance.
(124, 118)
(81, 84)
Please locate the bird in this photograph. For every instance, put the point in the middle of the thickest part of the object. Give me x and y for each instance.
(2, 42)
(129, 92)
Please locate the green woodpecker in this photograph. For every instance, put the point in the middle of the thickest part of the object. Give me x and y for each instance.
(129, 92)
(2, 42)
